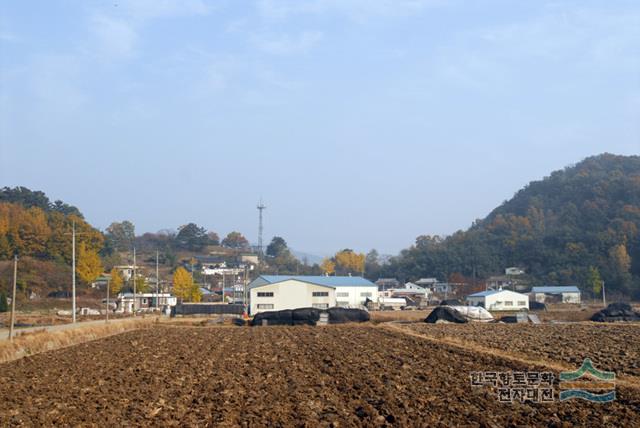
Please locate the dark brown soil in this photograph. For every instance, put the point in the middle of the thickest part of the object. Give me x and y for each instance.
(276, 376)
(611, 347)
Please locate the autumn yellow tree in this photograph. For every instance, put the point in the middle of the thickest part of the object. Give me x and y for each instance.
(142, 286)
(196, 294)
(89, 265)
(348, 261)
(620, 260)
(328, 266)
(115, 285)
(183, 286)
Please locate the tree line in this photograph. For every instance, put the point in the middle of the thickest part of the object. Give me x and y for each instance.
(579, 226)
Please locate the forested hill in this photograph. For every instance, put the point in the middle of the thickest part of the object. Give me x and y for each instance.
(31, 225)
(35, 198)
(577, 226)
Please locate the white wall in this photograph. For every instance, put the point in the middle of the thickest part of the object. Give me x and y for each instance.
(566, 297)
(570, 297)
(355, 296)
(290, 294)
(499, 301)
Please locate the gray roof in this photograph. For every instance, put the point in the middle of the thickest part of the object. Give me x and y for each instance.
(556, 289)
(326, 281)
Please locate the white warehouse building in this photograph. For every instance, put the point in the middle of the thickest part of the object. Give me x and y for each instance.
(278, 292)
(556, 294)
(499, 300)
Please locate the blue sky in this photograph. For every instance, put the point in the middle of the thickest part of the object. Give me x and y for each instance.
(361, 123)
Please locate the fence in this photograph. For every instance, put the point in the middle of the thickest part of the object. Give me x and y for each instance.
(206, 309)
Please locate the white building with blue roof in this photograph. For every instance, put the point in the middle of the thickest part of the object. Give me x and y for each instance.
(278, 292)
(556, 293)
(499, 300)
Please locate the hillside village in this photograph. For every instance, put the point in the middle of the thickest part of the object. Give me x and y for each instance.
(158, 271)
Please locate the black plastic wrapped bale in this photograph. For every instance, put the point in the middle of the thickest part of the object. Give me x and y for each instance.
(239, 322)
(306, 316)
(284, 317)
(445, 314)
(537, 306)
(616, 312)
(344, 315)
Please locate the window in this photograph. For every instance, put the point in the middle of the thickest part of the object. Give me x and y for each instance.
(342, 294)
(320, 305)
(508, 303)
(366, 294)
(265, 305)
(265, 293)
(522, 303)
(320, 294)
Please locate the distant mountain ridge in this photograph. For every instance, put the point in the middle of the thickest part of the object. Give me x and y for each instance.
(311, 259)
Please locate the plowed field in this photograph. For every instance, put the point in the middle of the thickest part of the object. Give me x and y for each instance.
(277, 376)
(612, 347)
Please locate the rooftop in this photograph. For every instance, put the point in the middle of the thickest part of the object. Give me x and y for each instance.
(556, 289)
(329, 281)
(490, 292)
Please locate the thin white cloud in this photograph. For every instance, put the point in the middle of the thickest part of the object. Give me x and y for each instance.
(151, 9)
(8, 37)
(115, 38)
(358, 10)
(116, 28)
(557, 40)
(285, 44)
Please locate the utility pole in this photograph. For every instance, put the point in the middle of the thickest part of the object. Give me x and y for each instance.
(244, 291)
(604, 297)
(13, 297)
(135, 298)
(106, 319)
(73, 272)
(157, 282)
(73, 269)
(222, 288)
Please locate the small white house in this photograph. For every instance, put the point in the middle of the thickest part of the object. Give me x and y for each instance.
(126, 271)
(514, 271)
(354, 292)
(559, 294)
(499, 300)
(144, 301)
(277, 292)
(417, 289)
(410, 290)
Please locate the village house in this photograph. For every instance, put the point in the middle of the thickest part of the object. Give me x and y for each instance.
(499, 300)
(144, 301)
(556, 294)
(409, 290)
(387, 283)
(514, 271)
(429, 283)
(277, 292)
(126, 271)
